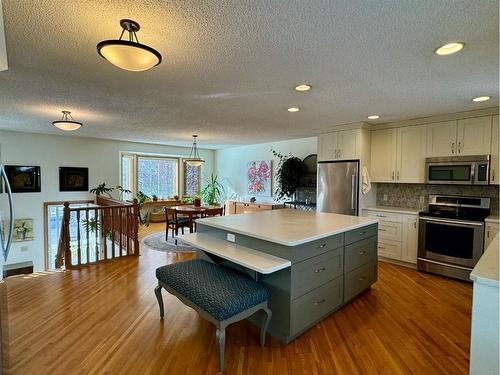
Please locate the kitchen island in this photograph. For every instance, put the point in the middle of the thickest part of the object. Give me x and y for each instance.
(312, 263)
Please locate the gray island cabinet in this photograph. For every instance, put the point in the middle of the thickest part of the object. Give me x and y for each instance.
(312, 263)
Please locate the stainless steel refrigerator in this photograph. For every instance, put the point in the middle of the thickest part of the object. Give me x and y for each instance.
(338, 184)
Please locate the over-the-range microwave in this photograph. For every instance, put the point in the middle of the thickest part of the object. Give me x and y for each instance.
(458, 170)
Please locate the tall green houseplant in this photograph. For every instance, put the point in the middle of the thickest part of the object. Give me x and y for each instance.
(213, 191)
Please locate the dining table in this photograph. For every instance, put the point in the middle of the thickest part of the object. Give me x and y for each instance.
(191, 211)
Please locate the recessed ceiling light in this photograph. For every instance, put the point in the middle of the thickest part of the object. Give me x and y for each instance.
(293, 109)
(449, 48)
(373, 117)
(303, 87)
(481, 99)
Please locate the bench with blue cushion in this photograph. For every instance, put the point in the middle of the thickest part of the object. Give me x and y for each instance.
(217, 293)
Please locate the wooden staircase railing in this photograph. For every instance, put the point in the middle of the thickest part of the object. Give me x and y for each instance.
(100, 232)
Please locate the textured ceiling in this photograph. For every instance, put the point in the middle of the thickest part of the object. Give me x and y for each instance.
(229, 67)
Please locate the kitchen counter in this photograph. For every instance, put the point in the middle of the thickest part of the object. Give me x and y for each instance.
(487, 269)
(493, 219)
(287, 227)
(397, 210)
(311, 263)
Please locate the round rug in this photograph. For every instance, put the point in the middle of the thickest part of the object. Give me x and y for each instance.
(156, 241)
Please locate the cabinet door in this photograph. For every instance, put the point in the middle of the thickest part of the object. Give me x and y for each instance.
(412, 148)
(441, 138)
(474, 136)
(494, 172)
(410, 239)
(490, 232)
(327, 146)
(348, 144)
(383, 155)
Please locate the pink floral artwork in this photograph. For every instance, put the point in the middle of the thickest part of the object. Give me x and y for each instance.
(259, 178)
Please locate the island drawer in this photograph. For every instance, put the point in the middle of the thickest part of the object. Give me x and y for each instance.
(358, 280)
(360, 234)
(360, 253)
(314, 248)
(313, 272)
(314, 305)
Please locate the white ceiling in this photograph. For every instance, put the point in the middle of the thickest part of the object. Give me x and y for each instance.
(229, 68)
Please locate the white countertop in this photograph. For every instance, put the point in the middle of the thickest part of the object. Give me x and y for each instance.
(397, 210)
(244, 256)
(287, 227)
(487, 270)
(493, 219)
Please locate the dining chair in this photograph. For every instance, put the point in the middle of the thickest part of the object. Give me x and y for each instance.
(174, 222)
(219, 211)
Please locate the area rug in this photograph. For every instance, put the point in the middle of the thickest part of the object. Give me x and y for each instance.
(156, 241)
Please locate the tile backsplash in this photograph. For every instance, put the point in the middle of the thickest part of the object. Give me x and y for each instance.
(409, 195)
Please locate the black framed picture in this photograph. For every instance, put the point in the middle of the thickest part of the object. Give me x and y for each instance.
(73, 179)
(24, 179)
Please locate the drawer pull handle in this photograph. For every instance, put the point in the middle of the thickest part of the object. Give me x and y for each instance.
(381, 230)
(319, 302)
(361, 278)
(381, 248)
(321, 246)
(362, 233)
(380, 215)
(319, 270)
(362, 252)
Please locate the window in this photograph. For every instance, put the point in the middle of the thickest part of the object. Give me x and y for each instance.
(163, 176)
(192, 179)
(158, 176)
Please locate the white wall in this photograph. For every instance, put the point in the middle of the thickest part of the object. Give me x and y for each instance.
(230, 163)
(50, 152)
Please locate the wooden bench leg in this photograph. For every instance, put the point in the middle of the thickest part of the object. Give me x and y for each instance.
(160, 300)
(263, 329)
(220, 334)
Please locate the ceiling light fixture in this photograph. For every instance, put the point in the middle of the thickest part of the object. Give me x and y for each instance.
(481, 98)
(373, 117)
(129, 54)
(293, 109)
(302, 87)
(194, 158)
(65, 124)
(449, 48)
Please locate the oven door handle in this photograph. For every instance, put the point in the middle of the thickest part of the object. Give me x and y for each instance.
(456, 222)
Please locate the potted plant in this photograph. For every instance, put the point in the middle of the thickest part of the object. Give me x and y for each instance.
(213, 191)
(141, 199)
(155, 198)
(122, 191)
(288, 174)
(101, 189)
(197, 201)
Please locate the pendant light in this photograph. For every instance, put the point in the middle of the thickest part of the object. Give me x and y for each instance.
(194, 159)
(129, 54)
(67, 124)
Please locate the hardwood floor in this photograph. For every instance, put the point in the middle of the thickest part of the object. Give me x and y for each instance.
(104, 320)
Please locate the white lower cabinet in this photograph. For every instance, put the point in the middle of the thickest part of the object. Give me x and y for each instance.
(397, 235)
(490, 231)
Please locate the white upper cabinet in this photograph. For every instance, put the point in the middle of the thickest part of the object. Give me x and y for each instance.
(494, 172)
(441, 139)
(411, 151)
(474, 136)
(341, 145)
(383, 155)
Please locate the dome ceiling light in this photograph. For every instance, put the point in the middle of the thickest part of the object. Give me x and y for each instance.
(66, 124)
(129, 54)
(194, 158)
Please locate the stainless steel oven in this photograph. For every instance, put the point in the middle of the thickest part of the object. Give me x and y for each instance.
(451, 235)
(458, 170)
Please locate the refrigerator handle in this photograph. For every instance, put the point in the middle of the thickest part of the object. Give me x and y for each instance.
(11, 212)
(353, 192)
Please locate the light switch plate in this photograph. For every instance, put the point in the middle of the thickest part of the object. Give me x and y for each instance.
(422, 199)
(385, 197)
(231, 237)
(24, 248)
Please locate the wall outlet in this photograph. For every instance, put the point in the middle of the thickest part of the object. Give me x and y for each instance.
(385, 197)
(24, 248)
(231, 237)
(422, 199)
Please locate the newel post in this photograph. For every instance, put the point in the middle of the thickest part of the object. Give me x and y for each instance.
(65, 236)
(135, 227)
